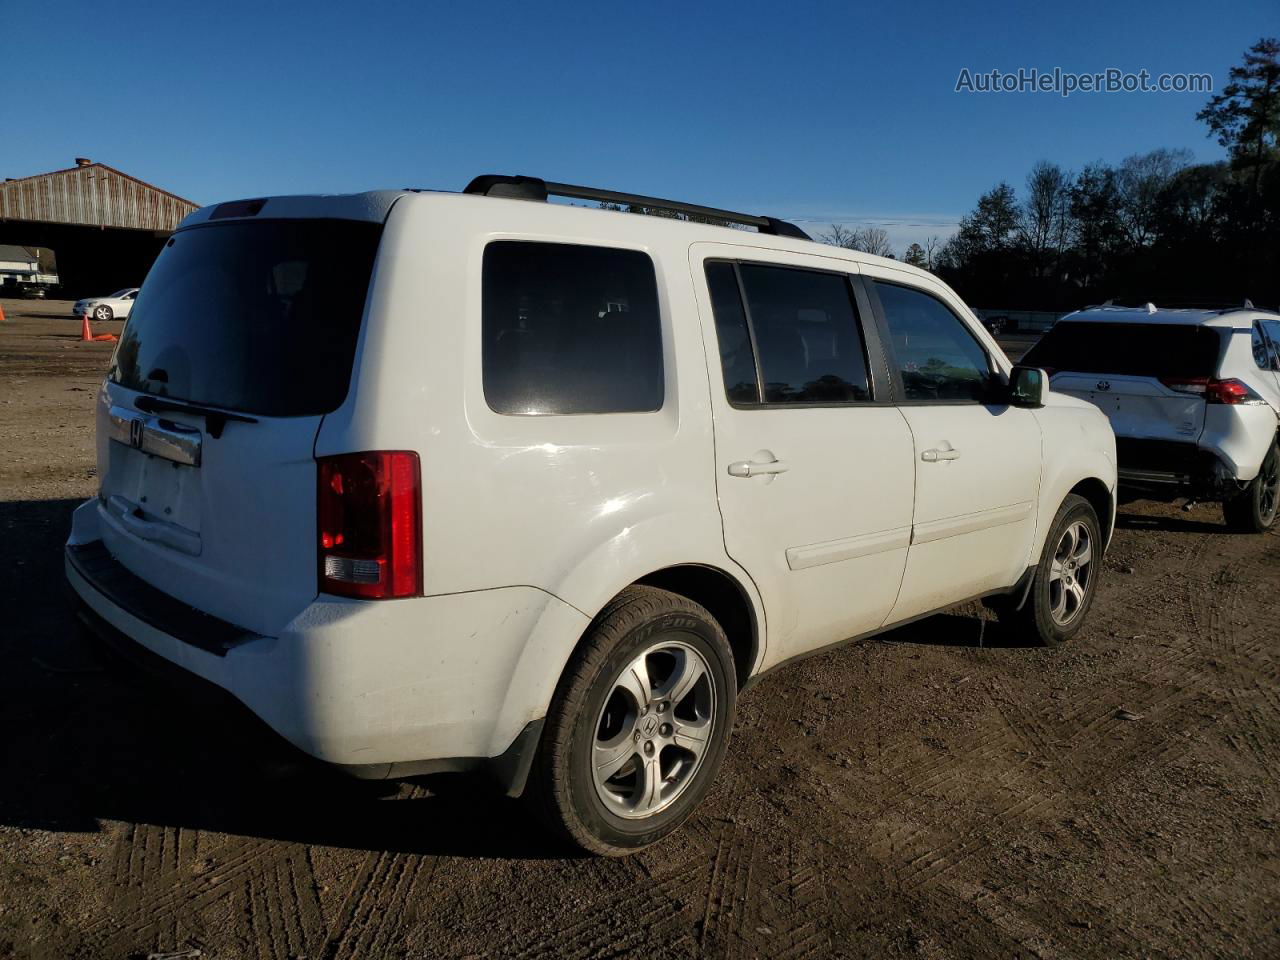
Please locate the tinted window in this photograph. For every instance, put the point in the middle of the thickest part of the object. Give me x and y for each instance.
(736, 359)
(259, 316)
(570, 329)
(807, 335)
(1261, 349)
(1160, 350)
(1272, 333)
(937, 356)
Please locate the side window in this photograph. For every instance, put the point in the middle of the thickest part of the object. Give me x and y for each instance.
(1272, 330)
(570, 329)
(737, 360)
(803, 328)
(1261, 349)
(939, 359)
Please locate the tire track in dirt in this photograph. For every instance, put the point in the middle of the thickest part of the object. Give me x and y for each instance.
(161, 896)
(283, 908)
(601, 929)
(1180, 677)
(922, 861)
(373, 915)
(1078, 744)
(803, 890)
(724, 903)
(1195, 921)
(1249, 654)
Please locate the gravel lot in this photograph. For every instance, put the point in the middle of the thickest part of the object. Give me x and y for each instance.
(937, 792)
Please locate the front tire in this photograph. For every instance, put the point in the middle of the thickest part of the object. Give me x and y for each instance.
(1253, 510)
(102, 312)
(639, 724)
(1066, 577)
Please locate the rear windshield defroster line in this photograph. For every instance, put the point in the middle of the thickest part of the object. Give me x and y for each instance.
(259, 317)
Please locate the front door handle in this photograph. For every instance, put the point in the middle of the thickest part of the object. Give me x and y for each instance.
(933, 456)
(749, 468)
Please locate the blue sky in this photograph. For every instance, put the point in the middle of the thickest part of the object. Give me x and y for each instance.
(814, 111)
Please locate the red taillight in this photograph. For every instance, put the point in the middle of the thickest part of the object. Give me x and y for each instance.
(369, 524)
(1228, 391)
(1213, 391)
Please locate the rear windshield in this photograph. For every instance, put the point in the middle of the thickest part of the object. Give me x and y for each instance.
(258, 316)
(1136, 349)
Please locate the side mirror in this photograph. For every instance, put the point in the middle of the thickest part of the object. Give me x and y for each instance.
(1028, 387)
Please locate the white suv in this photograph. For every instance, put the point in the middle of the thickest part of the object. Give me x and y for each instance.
(1193, 396)
(438, 482)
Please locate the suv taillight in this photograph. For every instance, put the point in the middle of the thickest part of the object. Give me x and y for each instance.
(1228, 391)
(369, 524)
(1213, 391)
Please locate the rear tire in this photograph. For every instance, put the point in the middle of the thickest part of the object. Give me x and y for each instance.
(1065, 581)
(1253, 510)
(613, 774)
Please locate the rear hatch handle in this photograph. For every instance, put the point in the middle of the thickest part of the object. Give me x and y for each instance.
(215, 419)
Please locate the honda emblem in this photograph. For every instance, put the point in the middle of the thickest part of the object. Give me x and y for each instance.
(1104, 384)
(135, 434)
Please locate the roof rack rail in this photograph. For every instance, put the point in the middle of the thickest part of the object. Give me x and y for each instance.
(532, 188)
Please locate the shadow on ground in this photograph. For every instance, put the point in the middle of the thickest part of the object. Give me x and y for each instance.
(959, 629)
(88, 739)
(1181, 524)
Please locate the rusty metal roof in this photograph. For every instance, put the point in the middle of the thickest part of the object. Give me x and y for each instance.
(93, 194)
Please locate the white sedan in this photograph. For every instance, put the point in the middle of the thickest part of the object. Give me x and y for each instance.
(116, 306)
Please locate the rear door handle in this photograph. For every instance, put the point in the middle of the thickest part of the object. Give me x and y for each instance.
(934, 455)
(748, 468)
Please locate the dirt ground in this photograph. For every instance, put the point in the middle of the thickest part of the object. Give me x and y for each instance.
(937, 792)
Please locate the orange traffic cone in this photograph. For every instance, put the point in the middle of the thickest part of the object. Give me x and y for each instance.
(87, 334)
(1, 314)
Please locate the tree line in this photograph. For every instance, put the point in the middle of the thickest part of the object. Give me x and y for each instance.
(1154, 227)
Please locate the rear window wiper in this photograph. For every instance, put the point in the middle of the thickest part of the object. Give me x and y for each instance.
(215, 419)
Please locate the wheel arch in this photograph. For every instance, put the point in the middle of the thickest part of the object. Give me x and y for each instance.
(725, 598)
(1100, 498)
(540, 669)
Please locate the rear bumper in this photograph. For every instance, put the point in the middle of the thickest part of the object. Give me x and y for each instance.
(1212, 468)
(382, 689)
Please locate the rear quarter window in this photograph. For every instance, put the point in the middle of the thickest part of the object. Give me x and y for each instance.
(570, 329)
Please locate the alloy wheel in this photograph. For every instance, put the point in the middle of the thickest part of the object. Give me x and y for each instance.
(1070, 573)
(654, 729)
(1269, 488)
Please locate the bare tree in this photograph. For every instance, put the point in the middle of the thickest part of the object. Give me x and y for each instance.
(1141, 180)
(1045, 215)
(840, 236)
(872, 240)
(932, 250)
(875, 241)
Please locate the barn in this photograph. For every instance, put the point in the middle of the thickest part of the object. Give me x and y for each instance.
(104, 226)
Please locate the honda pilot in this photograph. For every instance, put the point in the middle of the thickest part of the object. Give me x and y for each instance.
(479, 481)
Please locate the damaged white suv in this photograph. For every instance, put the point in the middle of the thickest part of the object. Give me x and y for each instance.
(437, 482)
(1193, 396)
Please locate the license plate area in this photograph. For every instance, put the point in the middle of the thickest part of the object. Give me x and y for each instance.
(153, 469)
